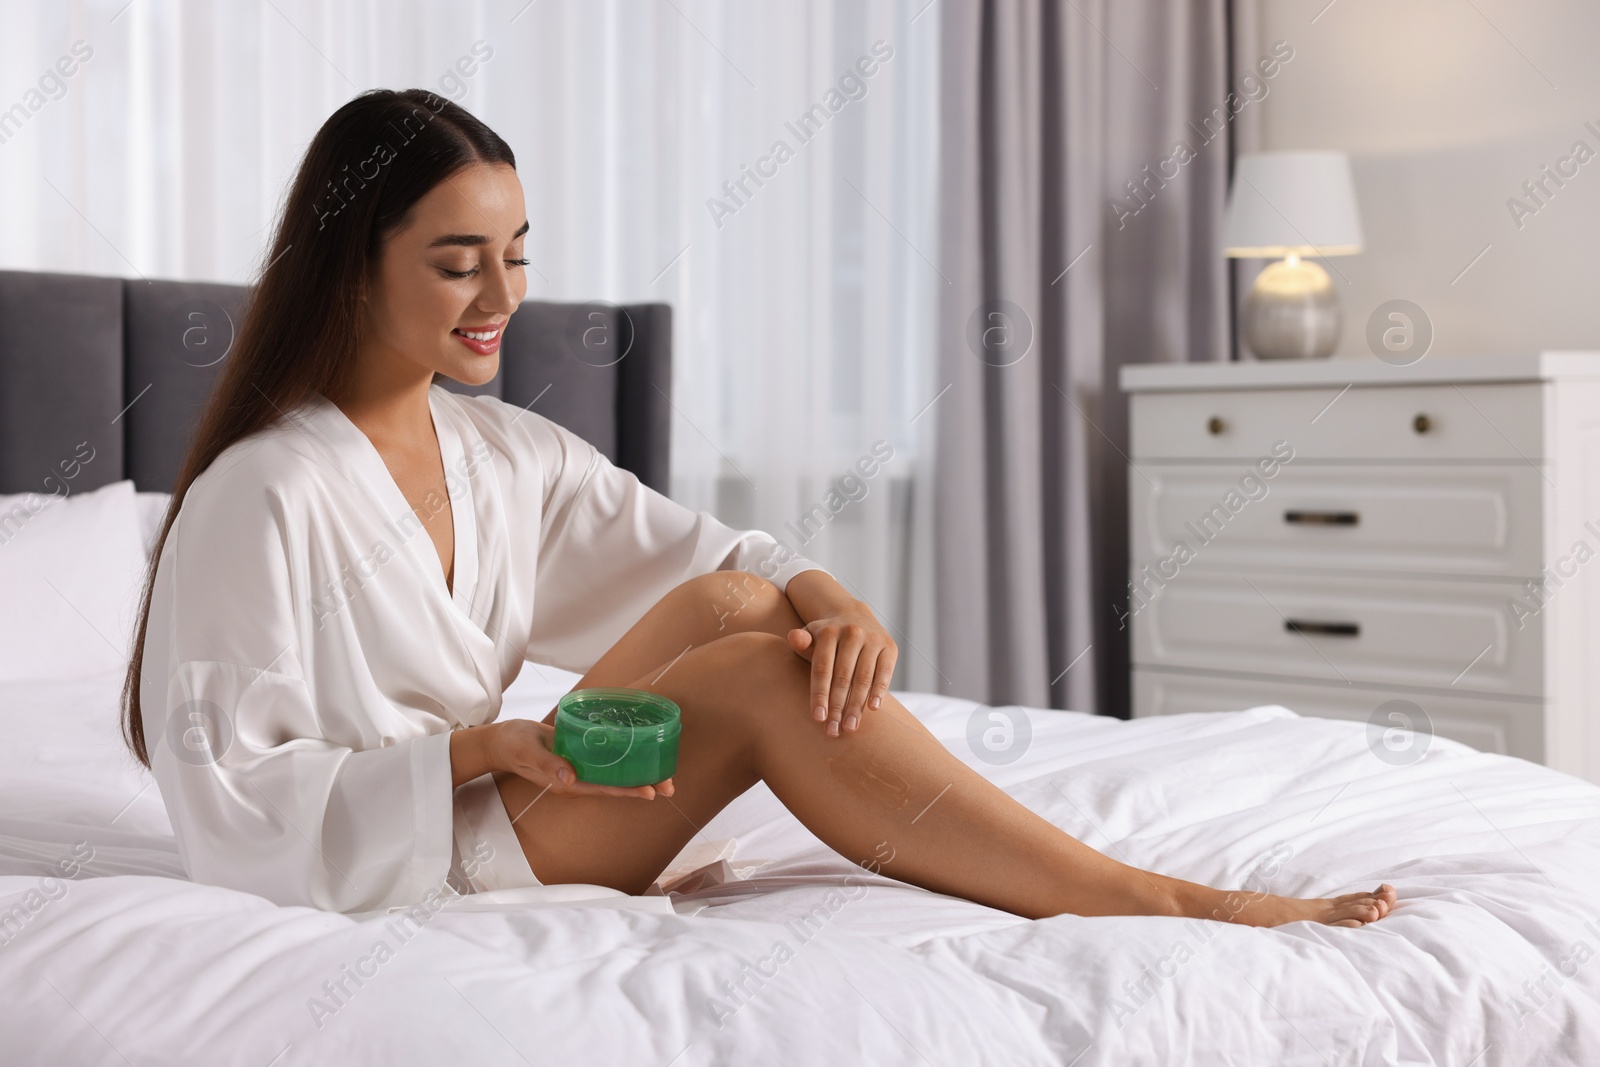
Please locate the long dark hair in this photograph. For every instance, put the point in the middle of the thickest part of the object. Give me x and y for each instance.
(363, 173)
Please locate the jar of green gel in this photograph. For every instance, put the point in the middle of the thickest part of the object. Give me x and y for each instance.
(616, 736)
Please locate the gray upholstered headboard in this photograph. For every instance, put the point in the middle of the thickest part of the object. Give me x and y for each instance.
(126, 365)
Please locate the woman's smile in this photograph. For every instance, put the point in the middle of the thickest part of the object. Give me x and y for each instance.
(484, 340)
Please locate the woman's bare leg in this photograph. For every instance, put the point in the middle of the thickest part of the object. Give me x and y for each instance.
(601, 843)
(888, 796)
(697, 612)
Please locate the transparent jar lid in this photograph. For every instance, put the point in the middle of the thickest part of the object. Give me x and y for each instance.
(618, 736)
(620, 712)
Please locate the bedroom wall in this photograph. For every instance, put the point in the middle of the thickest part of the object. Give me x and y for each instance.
(1447, 107)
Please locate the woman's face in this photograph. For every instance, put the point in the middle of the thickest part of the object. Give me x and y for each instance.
(456, 266)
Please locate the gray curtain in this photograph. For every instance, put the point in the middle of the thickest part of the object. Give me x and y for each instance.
(1073, 241)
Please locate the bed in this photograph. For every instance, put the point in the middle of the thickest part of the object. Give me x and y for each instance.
(758, 942)
(771, 946)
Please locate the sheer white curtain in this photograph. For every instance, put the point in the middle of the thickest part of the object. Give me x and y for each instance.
(647, 135)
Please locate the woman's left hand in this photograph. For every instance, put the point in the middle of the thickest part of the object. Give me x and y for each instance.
(852, 659)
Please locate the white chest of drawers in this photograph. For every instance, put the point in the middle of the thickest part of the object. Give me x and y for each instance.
(1402, 545)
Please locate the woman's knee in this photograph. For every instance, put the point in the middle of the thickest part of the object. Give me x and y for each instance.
(733, 602)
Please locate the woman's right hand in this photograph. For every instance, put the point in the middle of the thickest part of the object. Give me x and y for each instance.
(526, 748)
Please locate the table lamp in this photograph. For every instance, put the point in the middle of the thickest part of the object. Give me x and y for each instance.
(1294, 205)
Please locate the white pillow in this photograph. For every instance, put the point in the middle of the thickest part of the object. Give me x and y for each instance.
(70, 574)
(152, 509)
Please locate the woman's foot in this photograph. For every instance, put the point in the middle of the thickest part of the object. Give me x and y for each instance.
(1265, 909)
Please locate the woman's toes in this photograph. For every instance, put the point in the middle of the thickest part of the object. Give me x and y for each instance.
(1383, 898)
(1348, 922)
(1363, 910)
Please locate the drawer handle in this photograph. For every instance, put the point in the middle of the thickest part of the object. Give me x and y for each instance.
(1215, 425)
(1322, 518)
(1422, 424)
(1331, 629)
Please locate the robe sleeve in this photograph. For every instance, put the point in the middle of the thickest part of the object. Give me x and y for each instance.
(611, 547)
(268, 792)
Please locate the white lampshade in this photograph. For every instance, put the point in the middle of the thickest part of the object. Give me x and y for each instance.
(1292, 203)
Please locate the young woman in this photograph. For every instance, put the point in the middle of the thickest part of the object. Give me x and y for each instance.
(356, 561)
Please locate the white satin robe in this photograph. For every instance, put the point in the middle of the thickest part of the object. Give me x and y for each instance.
(302, 633)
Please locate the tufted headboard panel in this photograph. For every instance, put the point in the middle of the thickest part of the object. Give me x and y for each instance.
(126, 365)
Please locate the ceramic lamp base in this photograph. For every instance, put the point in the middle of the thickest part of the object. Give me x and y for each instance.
(1292, 312)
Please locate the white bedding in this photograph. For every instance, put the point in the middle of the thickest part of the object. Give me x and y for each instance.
(1486, 960)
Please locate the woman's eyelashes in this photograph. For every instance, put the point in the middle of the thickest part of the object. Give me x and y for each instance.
(469, 273)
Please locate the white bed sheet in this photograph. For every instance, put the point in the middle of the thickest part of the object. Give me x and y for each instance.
(1488, 959)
